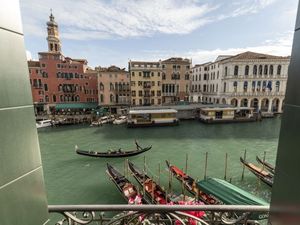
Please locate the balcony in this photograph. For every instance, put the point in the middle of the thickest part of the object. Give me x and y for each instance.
(254, 94)
(157, 214)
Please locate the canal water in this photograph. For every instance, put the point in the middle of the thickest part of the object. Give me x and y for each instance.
(76, 179)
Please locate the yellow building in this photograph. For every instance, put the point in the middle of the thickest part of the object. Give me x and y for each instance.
(145, 83)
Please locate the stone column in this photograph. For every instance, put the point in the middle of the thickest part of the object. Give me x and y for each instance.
(280, 105)
(270, 105)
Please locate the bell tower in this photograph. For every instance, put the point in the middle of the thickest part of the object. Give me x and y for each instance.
(53, 40)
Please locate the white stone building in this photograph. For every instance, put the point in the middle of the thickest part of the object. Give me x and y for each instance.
(247, 79)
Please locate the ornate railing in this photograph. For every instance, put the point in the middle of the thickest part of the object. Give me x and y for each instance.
(157, 214)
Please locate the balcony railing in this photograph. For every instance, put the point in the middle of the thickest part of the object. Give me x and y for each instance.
(157, 214)
(253, 94)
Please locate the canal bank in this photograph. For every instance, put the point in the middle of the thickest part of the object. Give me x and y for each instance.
(74, 179)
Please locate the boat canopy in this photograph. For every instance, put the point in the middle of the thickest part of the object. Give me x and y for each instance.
(89, 105)
(149, 111)
(228, 193)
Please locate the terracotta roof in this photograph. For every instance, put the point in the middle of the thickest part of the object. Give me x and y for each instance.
(254, 55)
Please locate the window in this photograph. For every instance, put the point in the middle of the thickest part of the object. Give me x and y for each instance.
(235, 84)
(47, 98)
(152, 101)
(158, 83)
(46, 87)
(158, 93)
(159, 101)
(247, 70)
(245, 86)
(187, 76)
(264, 85)
(255, 70)
(224, 88)
(266, 70)
(158, 74)
(226, 71)
(236, 70)
(269, 86)
(140, 93)
(140, 74)
(253, 85)
(111, 98)
(54, 98)
(163, 76)
(133, 93)
(260, 70)
(278, 69)
(277, 86)
(271, 71)
(132, 74)
(152, 74)
(258, 85)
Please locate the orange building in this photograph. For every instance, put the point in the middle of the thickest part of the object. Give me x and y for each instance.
(60, 82)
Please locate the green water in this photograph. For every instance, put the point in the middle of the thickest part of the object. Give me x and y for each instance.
(75, 179)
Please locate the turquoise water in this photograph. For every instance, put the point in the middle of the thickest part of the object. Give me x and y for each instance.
(75, 179)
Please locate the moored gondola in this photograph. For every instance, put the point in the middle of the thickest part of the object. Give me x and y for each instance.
(152, 189)
(126, 188)
(267, 165)
(113, 153)
(263, 175)
(190, 185)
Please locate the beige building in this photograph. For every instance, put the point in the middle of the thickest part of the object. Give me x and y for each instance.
(175, 80)
(247, 79)
(145, 83)
(113, 86)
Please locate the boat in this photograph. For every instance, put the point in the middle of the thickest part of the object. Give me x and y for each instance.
(44, 123)
(190, 184)
(152, 189)
(229, 194)
(265, 176)
(267, 165)
(113, 153)
(103, 120)
(152, 117)
(120, 120)
(126, 188)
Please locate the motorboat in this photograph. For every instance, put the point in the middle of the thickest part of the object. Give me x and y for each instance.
(44, 123)
(120, 120)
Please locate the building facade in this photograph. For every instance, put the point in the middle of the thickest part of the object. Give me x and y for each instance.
(175, 80)
(145, 83)
(113, 86)
(247, 79)
(58, 79)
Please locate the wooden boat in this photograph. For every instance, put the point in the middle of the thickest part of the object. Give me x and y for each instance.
(190, 185)
(267, 165)
(263, 175)
(126, 188)
(152, 189)
(113, 153)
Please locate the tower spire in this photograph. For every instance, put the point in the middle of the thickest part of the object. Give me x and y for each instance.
(53, 40)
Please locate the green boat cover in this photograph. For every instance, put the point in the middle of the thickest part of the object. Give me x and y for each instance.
(88, 105)
(229, 194)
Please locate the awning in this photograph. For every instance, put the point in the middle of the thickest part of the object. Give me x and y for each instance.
(88, 105)
(231, 195)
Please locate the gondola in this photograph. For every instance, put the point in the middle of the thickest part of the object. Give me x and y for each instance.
(152, 189)
(113, 153)
(263, 175)
(126, 188)
(267, 165)
(190, 185)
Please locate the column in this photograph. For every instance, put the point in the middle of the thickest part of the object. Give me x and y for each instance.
(280, 105)
(270, 105)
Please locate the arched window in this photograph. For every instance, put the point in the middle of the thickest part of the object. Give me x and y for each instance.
(47, 98)
(199, 87)
(54, 98)
(266, 70)
(224, 88)
(196, 77)
(245, 86)
(111, 87)
(163, 76)
(61, 98)
(226, 71)
(279, 70)
(247, 70)
(111, 98)
(101, 86)
(236, 70)
(264, 85)
(235, 84)
(271, 71)
(101, 98)
(77, 98)
(260, 70)
(253, 85)
(258, 85)
(255, 70)
(277, 86)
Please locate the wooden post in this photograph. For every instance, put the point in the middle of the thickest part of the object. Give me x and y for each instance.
(186, 163)
(145, 165)
(152, 191)
(159, 174)
(245, 155)
(205, 168)
(225, 172)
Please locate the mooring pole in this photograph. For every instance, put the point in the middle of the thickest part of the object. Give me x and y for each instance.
(205, 168)
(159, 174)
(186, 162)
(245, 155)
(225, 169)
(152, 191)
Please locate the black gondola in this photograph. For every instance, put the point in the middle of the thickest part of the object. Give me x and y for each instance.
(263, 175)
(190, 185)
(113, 153)
(267, 165)
(153, 190)
(126, 188)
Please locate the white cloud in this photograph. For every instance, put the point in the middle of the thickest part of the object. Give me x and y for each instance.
(96, 19)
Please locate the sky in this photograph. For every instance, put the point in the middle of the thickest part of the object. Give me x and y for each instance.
(112, 32)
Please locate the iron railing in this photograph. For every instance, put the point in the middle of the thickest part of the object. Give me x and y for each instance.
(157, 214)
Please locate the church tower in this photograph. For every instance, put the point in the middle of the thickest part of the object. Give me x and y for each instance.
(53, 40)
